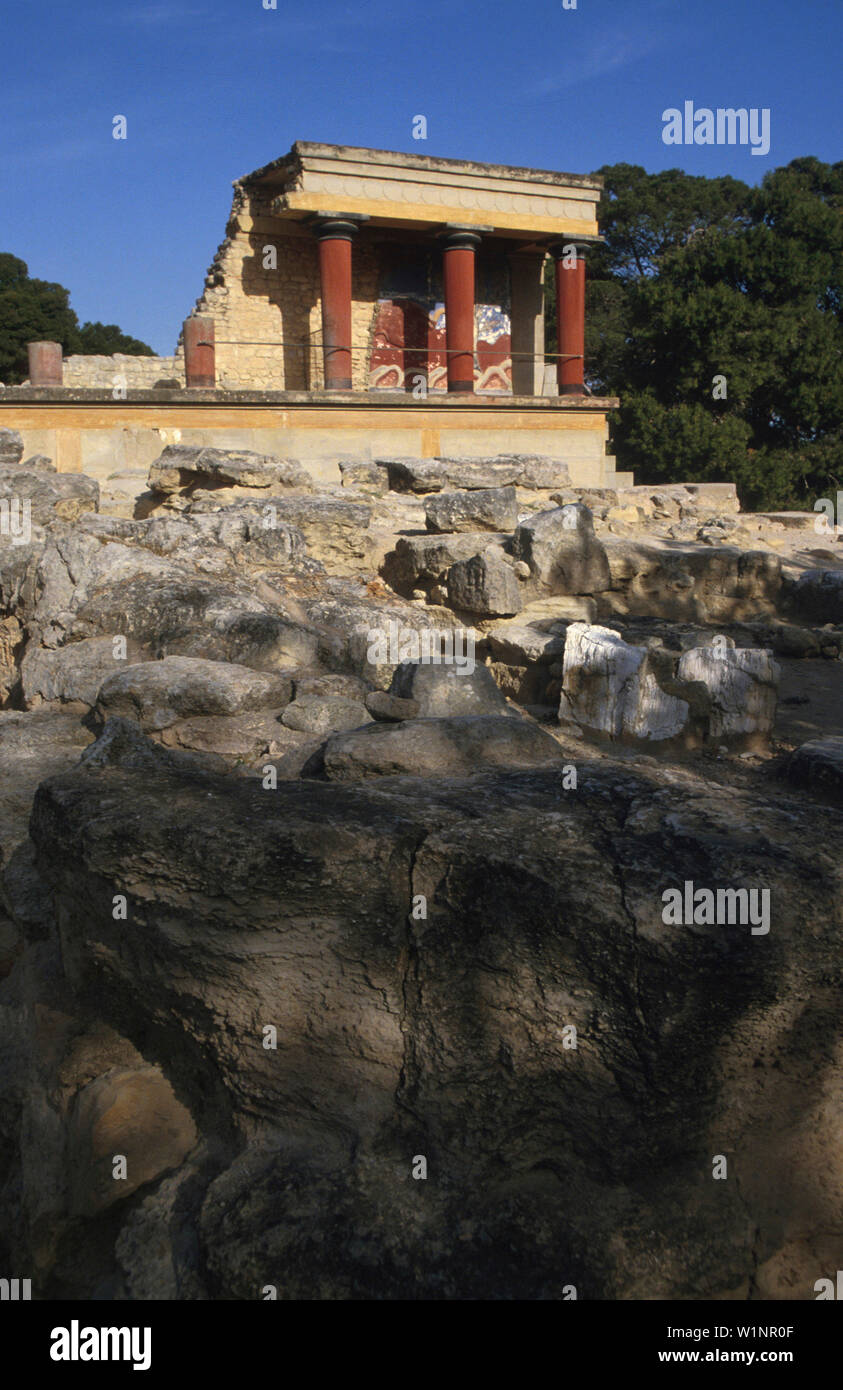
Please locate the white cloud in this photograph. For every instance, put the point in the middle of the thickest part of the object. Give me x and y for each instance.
(600, 57)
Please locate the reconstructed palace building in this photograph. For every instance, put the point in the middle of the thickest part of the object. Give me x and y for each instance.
(363, 302)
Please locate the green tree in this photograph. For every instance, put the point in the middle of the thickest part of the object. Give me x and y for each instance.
(30, 311)
(34, 310)
(709, 278)
(106, 338)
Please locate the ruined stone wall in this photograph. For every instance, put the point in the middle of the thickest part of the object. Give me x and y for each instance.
(140, 373)
(268, 322)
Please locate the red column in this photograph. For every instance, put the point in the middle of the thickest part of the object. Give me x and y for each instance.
(199, 354)
(45, 364)
(570, 317)
(459, 250)
(335, 236)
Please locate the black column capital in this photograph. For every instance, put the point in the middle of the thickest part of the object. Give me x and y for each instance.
(560, 249)
(335, 226)
(454, 238)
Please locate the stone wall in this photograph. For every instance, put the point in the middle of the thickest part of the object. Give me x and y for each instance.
(103, 438)
(136, 373)
(268, 322)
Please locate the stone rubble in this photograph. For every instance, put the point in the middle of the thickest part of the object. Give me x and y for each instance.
(249, 723)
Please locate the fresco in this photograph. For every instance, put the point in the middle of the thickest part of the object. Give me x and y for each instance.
(408, 342)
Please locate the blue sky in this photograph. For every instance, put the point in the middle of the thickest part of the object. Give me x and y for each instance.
(212, 89)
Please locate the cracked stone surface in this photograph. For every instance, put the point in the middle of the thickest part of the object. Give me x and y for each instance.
(287, 904)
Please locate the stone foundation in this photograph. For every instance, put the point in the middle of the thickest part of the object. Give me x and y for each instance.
(92, 433)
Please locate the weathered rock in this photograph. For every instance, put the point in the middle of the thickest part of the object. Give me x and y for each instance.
(534, 471)
(716, 530)
(445, 747)
(787, 640)
(183, 466)
(485, 584)
(668, 500)
(324, 714)
(49, 496)
(168, 611)
(400, 1035)
(687, 583)
(246, 535)
(122, 744)
(440, 691)
(562, 551)
(74, 672)
(609, 687)
(335, 530)
(157, 693)
(427, 559)
(597, 499)
(522, 643)
(817, 596)
(38, 463)
(486, 509)
(11, 447)
(818, 765)
(262, 641)
(133, 1114)
(742, 684)
(390, 708)
(240, 739)
(371, 638)
(336, 684)
(364, 474)
(12, 642)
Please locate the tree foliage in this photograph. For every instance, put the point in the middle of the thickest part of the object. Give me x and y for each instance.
(36, 310)
(710, 278)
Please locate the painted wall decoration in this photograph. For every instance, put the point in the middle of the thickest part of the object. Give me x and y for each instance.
(408, 341)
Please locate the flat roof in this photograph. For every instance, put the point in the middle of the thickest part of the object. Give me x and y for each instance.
(279, 170)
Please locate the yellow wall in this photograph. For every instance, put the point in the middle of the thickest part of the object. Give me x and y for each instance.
(102, 440)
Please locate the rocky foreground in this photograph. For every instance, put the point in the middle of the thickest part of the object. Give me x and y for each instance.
(336, 826)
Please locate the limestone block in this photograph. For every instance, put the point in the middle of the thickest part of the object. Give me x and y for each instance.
(132, 1113)
(11, 447)
(742, 682)
(486, 509)
(442, 691)
(484, 585)
(608, 688)
(158, 693)
(448, 747)
(564, 555)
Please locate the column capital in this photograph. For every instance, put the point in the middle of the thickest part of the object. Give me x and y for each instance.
(560, 249)
(337, 226)
(456, 236)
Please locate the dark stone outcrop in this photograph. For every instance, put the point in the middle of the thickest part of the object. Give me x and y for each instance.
(441, 1033)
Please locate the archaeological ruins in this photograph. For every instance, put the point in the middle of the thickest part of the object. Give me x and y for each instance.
(419, 843)
(362, 302)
